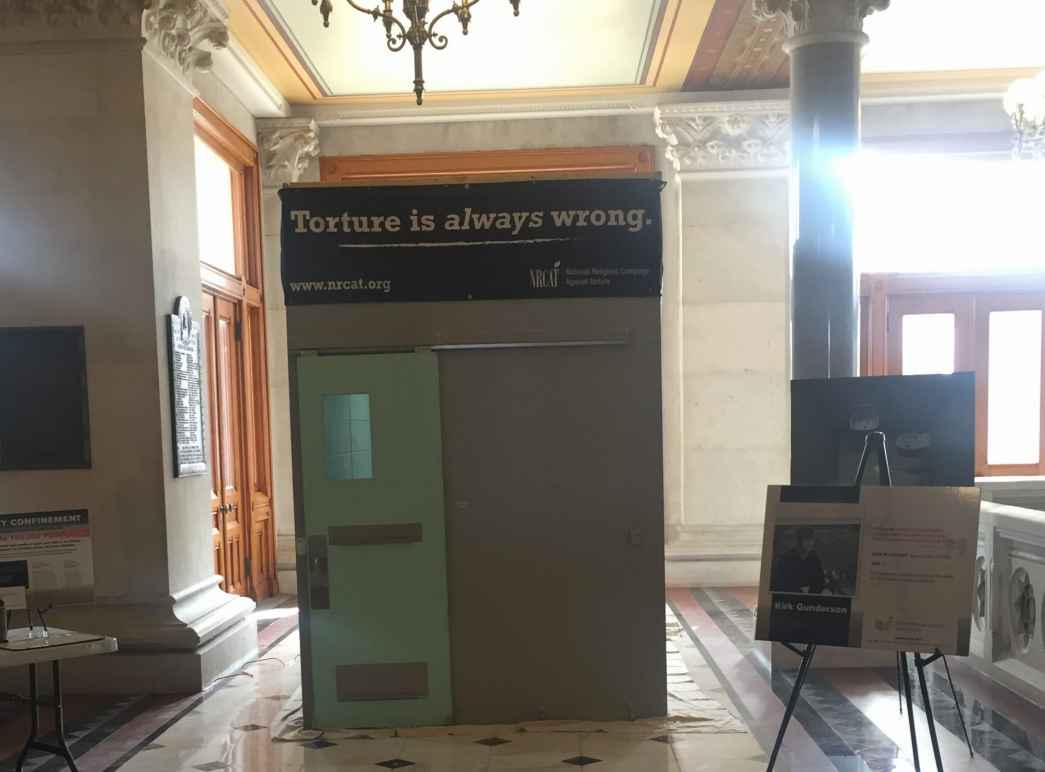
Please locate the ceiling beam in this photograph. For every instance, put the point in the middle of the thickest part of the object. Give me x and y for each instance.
(681, 30)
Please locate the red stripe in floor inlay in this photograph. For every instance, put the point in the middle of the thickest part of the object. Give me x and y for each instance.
(766, 710)
(275, 631)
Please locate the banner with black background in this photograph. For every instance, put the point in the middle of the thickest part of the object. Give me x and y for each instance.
(498, 240)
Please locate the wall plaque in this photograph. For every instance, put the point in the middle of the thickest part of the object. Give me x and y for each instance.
(190, 457)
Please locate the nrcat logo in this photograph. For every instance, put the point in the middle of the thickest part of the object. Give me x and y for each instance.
(545, 278)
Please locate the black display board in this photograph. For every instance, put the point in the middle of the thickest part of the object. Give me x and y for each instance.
(929, 422)
(498, 240)
(186, 379)
(43, 398)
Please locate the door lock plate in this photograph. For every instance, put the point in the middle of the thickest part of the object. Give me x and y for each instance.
(318, 573)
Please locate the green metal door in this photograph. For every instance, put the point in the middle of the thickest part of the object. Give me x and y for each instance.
(375, 638)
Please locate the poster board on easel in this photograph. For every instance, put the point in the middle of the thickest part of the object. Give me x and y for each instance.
(873, 567)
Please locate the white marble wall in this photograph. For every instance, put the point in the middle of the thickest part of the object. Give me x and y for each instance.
(735, 385)
(74, 224)
(98, 227)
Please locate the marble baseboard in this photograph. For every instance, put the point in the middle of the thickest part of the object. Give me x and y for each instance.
(720, 571)
(288, 580)
(173, 645)
(148, 672)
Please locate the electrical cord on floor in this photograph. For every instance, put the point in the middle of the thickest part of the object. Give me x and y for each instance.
(290, 713)
(299, 739)
(265, 659)
(235, 675)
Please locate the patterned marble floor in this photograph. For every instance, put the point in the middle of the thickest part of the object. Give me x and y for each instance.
(849, 719)
(251, 722)
(254, 724)
(725, 705)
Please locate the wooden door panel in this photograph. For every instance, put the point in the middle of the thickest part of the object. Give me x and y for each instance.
(262, 548)
(241, 514)
(230, 441)
(261, 567)
(216, 519)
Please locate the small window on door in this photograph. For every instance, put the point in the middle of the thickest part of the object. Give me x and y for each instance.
(346, 420)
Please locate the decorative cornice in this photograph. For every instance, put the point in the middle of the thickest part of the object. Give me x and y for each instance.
(821, 20)
(287, 149)
(60, 17)
(726, 135)
(186, 31)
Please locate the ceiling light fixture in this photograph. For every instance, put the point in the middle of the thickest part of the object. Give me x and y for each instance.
(420, 31)
(1025, 104)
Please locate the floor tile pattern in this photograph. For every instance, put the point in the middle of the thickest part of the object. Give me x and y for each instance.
(725, 704)
(849, 719)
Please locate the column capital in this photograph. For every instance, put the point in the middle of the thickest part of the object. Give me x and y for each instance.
(287, 146)
(34, 20)
(725, 136)
(821, 21)
(186, 31)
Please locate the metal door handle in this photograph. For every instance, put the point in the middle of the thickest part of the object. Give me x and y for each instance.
(223, 509)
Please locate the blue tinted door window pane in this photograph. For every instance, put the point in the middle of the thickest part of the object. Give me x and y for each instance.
(346, 419)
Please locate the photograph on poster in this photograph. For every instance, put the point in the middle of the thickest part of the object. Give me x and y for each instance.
(815, 558)
(14, 582)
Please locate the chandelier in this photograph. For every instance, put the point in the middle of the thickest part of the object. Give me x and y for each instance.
(419, 31)
(1025, 104)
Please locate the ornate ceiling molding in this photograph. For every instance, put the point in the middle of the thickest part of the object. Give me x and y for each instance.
(57, 18)
(726, 136)
(186, 31)
(287, 149)
(824, 19)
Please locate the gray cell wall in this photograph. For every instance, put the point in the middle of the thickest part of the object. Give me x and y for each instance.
(554, 504)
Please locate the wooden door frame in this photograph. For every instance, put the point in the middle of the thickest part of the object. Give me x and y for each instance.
(478, 165)
(245, 289)
(884, 298)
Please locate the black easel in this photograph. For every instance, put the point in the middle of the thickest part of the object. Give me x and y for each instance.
(874, 444)
(885, 478)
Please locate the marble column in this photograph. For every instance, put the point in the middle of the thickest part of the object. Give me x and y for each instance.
(724, 339)
(289, 149)
(99, 230)
(825, 38)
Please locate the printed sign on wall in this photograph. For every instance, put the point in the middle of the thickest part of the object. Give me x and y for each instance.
(50, 554)
(874, 567)
(498, 240)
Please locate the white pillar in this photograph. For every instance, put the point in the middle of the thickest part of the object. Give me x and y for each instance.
(289, 148)
(99, 230)
(731, 160)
